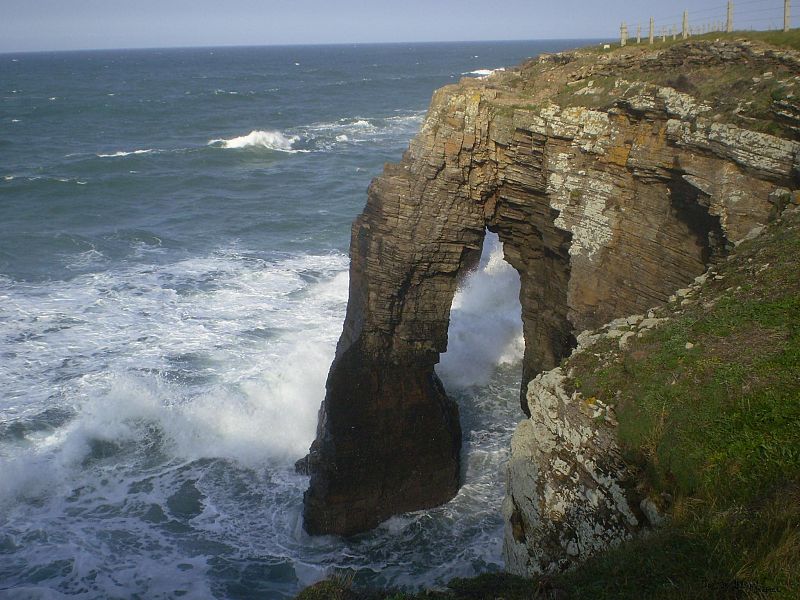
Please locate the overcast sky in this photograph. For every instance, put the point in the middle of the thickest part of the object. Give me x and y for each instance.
(80, 24)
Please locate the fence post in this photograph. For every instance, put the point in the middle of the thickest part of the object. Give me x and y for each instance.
(685, 29)
(787, 15)
(729, 24)
(639, 33)
(652, 30)
(623, 34)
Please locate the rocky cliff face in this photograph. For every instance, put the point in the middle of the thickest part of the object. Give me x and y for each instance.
(570, 494)
(609, 188)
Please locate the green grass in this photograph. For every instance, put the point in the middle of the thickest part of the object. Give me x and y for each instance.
(717, 428)
(788, 39)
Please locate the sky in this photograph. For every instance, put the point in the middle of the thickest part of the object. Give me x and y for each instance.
(32, 25)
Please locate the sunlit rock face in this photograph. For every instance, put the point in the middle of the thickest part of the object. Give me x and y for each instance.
(603, 212)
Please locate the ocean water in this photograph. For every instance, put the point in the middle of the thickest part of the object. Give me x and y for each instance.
(174, 228)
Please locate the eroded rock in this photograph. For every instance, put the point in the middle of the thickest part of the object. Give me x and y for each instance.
(565, 497)
(603, 212)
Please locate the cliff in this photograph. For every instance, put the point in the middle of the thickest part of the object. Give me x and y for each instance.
(613, 179)
(684, 422)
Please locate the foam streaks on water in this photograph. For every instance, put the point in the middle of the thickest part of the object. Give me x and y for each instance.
(173, 281)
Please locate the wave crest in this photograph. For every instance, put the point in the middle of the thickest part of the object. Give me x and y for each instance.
(123, 153)
(272, 140)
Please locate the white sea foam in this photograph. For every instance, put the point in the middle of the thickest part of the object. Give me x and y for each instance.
(235, 371)
(483, 73)
(485, 321)
(207, 373)
(88, 258)
(325, 136)
(272, 140)
(124, 153)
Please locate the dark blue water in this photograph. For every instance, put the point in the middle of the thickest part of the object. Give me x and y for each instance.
(173, 236)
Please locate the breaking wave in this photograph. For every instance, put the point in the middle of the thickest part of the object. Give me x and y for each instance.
(481, 73)
(271, 140)
(141, 364)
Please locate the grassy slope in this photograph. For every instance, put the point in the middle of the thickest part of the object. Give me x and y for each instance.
(714, 430)
(709, 411)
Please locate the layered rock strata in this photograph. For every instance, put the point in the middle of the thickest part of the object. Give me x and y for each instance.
(603, 209)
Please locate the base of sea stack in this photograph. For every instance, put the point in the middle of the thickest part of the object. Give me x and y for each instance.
(388, 442)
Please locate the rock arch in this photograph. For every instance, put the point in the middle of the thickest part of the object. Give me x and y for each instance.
(603, 214)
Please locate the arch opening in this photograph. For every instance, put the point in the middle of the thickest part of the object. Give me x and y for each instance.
(485, 329)
(481, 371)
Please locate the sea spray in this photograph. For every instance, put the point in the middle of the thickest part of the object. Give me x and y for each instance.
(485, 321)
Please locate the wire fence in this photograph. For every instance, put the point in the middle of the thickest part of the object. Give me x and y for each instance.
(738, 15)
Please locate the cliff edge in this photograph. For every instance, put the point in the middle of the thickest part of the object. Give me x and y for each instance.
(612, 179)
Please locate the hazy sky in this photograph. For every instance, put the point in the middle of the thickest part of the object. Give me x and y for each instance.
(75, 24)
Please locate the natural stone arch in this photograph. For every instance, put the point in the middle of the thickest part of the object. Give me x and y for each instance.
(603, 214)
(388, 437)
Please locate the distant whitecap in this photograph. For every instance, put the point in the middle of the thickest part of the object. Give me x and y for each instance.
(123, 153)
(481, 73)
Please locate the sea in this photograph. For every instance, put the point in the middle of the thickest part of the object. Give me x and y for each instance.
(174, 227)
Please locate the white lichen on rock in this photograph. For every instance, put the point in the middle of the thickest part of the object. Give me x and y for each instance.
(565, 499)
(749, 149)
(581, 198)
(569, 494)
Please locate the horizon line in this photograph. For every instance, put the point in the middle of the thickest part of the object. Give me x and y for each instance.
(298, 44)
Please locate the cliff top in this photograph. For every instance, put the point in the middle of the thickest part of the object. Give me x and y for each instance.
(752, 81)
